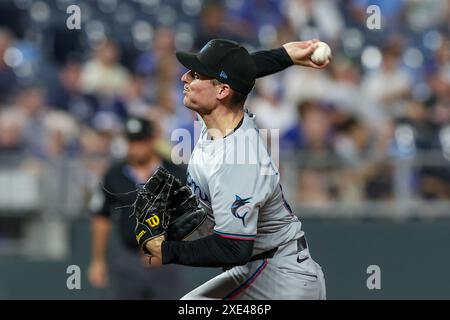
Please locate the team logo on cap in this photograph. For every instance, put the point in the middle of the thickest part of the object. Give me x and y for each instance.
(223, 75)
(239, 209)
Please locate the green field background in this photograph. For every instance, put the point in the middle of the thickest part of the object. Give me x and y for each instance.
(413, 256)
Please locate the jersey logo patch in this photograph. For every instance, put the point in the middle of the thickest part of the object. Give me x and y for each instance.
(239, 208)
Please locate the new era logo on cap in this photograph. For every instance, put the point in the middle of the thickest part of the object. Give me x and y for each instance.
(223, 75)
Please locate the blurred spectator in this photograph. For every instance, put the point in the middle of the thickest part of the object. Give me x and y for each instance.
(157, 90)
(315, 19)
(438, 80)
(96, 144)
(212, 24)
(425, 131)
(96, 152)
(67, 94)
(305, 84)
(134, 97)
(425, 14)
(272, 112)
(258, 20)
(312, 130)
(344, 92)
(62, 134)
(361, 162)
(161, 48)
(317, 132)
(316, 160)
(30, 103)
(103, 74)
(388, 87)
(12, 142)
(62, 178)
(352, 142)
(104, 78)
(433, 178)
(434, 182)
(313, 188)
(8, 79)
(379, 184)
(111, 112)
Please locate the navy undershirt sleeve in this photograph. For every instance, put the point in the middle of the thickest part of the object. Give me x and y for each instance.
(210, 251)
(271, 61)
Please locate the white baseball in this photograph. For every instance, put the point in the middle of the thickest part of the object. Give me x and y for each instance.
(321, 54)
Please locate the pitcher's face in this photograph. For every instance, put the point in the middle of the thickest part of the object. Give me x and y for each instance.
(199, 92)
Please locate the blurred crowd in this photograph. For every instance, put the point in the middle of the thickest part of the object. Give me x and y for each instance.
(64, 94)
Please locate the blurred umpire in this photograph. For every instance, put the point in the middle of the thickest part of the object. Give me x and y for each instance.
(129, 278)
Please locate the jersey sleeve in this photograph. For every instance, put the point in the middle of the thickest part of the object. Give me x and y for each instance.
(237, 192)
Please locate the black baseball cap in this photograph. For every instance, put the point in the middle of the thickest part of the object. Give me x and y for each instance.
(224, 60)
(137, 128)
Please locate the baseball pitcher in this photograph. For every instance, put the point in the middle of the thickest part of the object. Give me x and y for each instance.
(234, 199)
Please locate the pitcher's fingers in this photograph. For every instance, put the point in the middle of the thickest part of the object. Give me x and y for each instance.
(318, 66)
(310, 49)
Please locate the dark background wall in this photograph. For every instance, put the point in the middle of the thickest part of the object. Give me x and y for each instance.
(413, 258)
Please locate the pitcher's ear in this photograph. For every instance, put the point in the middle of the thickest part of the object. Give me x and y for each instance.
(223, 91)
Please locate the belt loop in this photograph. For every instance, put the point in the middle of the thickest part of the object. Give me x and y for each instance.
(301, 244)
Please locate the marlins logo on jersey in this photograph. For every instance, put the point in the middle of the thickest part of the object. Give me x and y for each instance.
(239, 208)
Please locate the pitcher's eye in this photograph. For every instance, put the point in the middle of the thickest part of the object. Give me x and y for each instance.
(196, 75)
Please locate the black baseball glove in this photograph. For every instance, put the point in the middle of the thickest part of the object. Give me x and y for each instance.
(151, 207)
(185, 214)
(164, 206)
